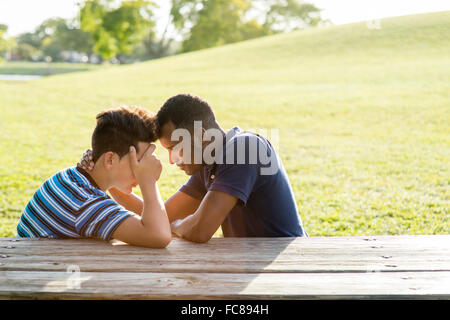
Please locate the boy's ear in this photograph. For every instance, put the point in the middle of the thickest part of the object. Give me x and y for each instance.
(108, 160)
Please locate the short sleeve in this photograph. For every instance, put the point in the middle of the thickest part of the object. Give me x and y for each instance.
(100, 219)
(195, 187)
(239, 176)
(236, 179)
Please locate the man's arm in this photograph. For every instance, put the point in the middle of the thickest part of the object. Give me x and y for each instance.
(203, 223)
(180, 205)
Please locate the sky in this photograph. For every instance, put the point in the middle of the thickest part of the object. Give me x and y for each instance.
(25, 15)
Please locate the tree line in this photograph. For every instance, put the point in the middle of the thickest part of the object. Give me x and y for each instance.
(125, 31)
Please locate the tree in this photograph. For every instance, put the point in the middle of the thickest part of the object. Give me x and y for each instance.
(209, 23)
(3, 29)
(158, 47)
(289, 15)
(116, 30)
(52, 37)
(30, 38)
(24, 51)
(6, 44)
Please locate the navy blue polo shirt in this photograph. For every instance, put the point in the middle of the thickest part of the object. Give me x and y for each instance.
(266, 206)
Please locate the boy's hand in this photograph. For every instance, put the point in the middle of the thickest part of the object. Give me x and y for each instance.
(86, 162)
(148, 168)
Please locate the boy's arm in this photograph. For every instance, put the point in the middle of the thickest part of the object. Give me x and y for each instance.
(152, 229)
(201, 225)
(131, 202)
(178, 206)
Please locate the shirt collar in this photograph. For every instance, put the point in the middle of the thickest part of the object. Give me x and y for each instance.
(88, 176)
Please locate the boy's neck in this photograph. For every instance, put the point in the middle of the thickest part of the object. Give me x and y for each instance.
(98, 174)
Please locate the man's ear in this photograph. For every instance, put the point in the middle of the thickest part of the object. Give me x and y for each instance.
(108, 160)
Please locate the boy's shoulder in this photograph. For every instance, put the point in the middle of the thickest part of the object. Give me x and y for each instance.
(75, 184)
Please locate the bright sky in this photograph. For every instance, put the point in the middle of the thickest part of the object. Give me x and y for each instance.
(24, 15)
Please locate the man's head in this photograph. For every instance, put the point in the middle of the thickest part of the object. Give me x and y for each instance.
(180, 112)
(118, 129)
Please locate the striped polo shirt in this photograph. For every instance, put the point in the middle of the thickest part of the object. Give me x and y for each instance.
(71, 205)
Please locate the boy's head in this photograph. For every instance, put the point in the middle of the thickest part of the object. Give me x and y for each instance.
(116, 130)
(180, 112)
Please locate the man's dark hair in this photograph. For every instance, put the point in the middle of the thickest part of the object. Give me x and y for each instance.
(119, 128)
(183, 109)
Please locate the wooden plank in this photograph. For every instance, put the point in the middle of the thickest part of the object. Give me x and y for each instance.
(233, 255)
(391, 285)
(304, 263)
(440, 241)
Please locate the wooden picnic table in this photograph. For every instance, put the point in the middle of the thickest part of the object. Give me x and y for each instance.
(381, 267)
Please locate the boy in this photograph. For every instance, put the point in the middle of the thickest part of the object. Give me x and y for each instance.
(247, 198)
(73, 203)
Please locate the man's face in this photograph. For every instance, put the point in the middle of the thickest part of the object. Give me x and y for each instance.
(176, 156)
(121, 173)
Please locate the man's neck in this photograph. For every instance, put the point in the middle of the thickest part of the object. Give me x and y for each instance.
(224, 135)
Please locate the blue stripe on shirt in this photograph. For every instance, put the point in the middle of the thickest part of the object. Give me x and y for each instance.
(70, 205)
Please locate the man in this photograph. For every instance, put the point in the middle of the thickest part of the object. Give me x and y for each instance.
(234, 190)
(73, 203)
(234, 194)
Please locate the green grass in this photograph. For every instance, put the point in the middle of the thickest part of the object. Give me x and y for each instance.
(363, 118)
(42, 68)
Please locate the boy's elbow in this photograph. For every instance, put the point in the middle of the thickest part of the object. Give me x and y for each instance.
(157, 241)
(161, 241)
(165, 241)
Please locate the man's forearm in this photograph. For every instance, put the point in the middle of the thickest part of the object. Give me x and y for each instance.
(130, 202)
(189, 229)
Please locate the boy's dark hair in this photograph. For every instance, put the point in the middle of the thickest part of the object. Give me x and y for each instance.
(119, 128)
(182, 110)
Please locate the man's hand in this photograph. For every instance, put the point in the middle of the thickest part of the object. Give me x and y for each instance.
(174, 226)
(86, 161)
(204, 222)
(148, 168)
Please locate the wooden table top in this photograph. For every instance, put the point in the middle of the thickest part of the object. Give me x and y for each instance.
(375, 267)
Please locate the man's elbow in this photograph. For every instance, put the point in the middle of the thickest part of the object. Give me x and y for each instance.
(200, 237)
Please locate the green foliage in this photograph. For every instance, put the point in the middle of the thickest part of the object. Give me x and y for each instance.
(3, 43)
(52, 37)
(363, 118)
(116, 30)
(214, 22)
(210, 23)
(126, 29)
(288, 15)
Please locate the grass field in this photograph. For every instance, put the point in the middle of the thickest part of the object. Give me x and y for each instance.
(363, 118)
(42, 68)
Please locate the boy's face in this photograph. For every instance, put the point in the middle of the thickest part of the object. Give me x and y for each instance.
(121, 174)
